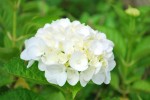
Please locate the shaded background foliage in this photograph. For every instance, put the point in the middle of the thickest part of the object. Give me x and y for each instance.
(20, 19)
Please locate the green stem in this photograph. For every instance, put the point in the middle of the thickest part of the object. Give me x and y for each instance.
(132, 25)
(14, 26)
(68, 95)
(131, 36)
(130, 44)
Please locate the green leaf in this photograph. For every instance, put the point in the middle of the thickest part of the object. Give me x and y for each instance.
(86, 92)
(120, 12)
(143, 49)
(40, 21)
(139, 96)
(5, 78)
(7, 53)
(84, 17)
(144, 62)
(6, 13)
(3, 89)
(51, 93)
(17, 67)
(75, 90)
(31, 6)
(1, 37)
(115, 81)
(7, 42)
(71, 90)
(141, 85)
(20, 94)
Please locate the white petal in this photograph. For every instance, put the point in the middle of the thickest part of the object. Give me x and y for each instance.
(111, 44)
(31, 53)
(42, 66)
(111, 65)
(86, 76)
(56, 74)
(24, 55)
(84, 31)
(76, 23)
(94, 62)
(96, 47)
(30, 63)
(109, 49)
(47, 26)
(34, 47)
(51, 78)
(98, 66)
(102, 35)
(62, 58)
(61, 80)
(83, 82)
(68, 47)
(78, 61)
(50, 58)
(62, 22)
(73, 76)
(109, 55)
(34, 41)
(98, 78)
(34, 52)
(108, 78)
(55, 68)
(46, 36)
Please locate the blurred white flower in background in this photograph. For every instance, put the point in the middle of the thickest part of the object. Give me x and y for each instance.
(72, 52)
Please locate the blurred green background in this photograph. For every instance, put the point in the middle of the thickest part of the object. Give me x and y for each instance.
(130, 32)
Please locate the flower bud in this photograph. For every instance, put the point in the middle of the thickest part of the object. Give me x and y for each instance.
(132, 11)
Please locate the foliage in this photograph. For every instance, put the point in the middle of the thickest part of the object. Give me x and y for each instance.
(20, 94)
(20, 19)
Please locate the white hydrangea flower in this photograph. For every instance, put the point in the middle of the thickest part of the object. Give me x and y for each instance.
(71, 52)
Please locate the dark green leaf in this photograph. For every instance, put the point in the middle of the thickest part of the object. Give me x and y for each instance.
(71, 90)
(141, 86)
(143, 49)
(5, 78)
(144, 62)
(8, 53)
(17, 67)
(120, 12)
(7, 42)
(20, 94)
(115, 81)
(51, 93)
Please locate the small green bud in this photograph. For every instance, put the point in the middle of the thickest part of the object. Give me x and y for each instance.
(132, 11)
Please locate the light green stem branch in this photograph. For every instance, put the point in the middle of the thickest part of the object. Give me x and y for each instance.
(14, 26)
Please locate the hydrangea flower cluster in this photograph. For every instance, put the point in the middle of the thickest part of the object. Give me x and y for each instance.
(70, 52)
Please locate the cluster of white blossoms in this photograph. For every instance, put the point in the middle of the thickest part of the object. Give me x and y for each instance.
(70, 52)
